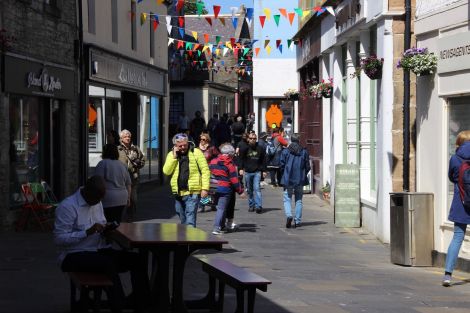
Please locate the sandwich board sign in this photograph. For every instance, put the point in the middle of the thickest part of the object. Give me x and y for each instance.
(347, 204)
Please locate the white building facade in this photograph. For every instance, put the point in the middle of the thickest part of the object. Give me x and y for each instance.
(443, 109)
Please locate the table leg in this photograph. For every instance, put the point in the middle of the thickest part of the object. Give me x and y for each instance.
(180, 257)
(160, 279)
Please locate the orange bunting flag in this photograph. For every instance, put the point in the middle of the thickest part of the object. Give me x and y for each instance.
(206, 38)
(278, 42)
(196, 46)
(216, 10)
(283, 12)
(291, 17)
(257, 51)
(262, 19)
(181, 21)
(209, 20)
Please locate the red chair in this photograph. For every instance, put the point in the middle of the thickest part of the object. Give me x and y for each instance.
(42, 213)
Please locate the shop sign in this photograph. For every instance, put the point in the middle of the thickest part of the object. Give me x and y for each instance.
(45, 81)
(111, 69)
(32, 78)
(453, 53)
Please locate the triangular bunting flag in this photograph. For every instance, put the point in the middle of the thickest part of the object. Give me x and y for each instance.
(188, 46)
(181, 21)
(222, 20)
(181, 52)
(277, 17)
(280, 48)
(289, 42)
(262, 18)
(199, 53)
(190, 53)
(170, 41)
(225, 51)
(209, 20)
(283, 12)
(291, 17)
(155, 22)
(228, 45)
(160, 1)
(235, 53)
(201, 63)
(330, 10)
(257, 51)
(320, 12)
(305, 13)
(181, 30)
(179, 5)
(234, 22)
(168, 19)
(216, 10)
(299, 11)
(278, 42)
(316, 9)
(143, 18)
(267, 12)
(232, 41)
(249, 13)
(233, 10)
(168, 28)
(268, 50)
(217, 39)
(266, 42)
(245, 51)
(194, 34)
(206, 38)
(199, 7)
(196, 45)
(180, 44)
(248, 21)
(217, 52)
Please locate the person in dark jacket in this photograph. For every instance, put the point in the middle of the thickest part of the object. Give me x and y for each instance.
(238, 128)
(458, 214)
(253, 166)
(222, 132)
(295, 167)
(273, 162)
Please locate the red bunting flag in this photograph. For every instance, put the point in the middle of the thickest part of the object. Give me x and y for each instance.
(278, 42)
(262, 19)
(206, 38)
(180, 44)
(216, 10)
(209, 20)
(179, 5)
(181, 21)
(283, 12)
(190, 53)
(232, 41)
(155, 24)
(316, 9)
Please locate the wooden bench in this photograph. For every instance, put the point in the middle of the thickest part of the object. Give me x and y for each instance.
(227, 273)
(85, 282)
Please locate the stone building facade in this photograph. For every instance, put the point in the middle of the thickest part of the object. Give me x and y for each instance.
(38, 100)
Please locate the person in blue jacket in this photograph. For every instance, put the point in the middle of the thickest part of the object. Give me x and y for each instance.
(458, 214)
(295, 166)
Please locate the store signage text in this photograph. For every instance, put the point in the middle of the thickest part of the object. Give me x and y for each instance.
(44, 80)
(132, 76)
(453, 53)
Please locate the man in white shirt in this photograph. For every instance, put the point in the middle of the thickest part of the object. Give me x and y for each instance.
(78, 233)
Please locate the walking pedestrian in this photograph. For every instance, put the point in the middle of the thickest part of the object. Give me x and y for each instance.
(253, 166)
(209, 152)
(274, 157)
(238, 128)
(190, 177)
(295, 166)
(224, 175)
(118, 183)
(134, 159)
(458, 214)
(198, 124)
(222, 131)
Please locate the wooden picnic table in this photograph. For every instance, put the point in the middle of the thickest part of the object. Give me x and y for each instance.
(162, 239)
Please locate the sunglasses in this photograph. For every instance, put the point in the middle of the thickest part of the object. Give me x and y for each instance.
(203, 139)
(181, 136)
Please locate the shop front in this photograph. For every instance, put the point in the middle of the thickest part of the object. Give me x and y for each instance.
(125, 94)
(40, 99)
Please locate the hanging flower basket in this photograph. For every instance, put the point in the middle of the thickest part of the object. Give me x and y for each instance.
(292, 94)
(419, 61)
(372, 67)
(322, 89)
(327, 93)
(293, 97)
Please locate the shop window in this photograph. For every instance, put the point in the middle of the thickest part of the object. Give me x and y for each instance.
(149, 136)
(458, 120)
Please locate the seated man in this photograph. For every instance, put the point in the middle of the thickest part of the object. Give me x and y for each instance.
(78, 233)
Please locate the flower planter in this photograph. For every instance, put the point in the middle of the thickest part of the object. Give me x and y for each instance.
(293, 97)
(327, 93)
(373, 75)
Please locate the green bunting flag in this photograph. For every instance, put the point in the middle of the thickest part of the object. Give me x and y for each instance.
(217, 39)
(277, 17)
(245, 51)
(299, 12)
(289, 42)
(200, 7)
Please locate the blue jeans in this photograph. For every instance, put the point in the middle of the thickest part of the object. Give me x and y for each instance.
(252, 182)
(298, 194)
(222, 200)
(186, 208)
(454, 247)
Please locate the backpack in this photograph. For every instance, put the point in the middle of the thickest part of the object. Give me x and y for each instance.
(271, 148)
(464, 183)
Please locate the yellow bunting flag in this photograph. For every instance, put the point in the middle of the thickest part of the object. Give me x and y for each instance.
(143, 18)
(305, 13)
(194, 35)
(268, 50)
(267, 12)
(217, 52)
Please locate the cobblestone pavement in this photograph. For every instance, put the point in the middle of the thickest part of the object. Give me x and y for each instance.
(314, 268)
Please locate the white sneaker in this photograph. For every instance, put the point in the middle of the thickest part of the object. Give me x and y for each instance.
(217, 232)
(446, 280)
(233, 226)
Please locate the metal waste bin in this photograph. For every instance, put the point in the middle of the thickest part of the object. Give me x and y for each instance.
(411, 228)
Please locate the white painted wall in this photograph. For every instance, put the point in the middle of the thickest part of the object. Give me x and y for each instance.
(427, 6)
(272, 77)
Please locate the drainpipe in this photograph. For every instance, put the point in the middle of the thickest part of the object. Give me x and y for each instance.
(82, 101)
(406, 102)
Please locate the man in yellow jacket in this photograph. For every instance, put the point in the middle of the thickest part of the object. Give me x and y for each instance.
(190, 176)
